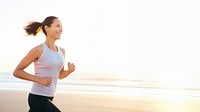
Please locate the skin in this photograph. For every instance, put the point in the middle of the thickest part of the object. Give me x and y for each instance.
(53, 33)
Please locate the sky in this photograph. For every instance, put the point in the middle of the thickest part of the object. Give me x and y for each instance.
(127, 39)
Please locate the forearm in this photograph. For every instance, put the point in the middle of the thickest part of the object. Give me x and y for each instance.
(64, 74)
(25, 76)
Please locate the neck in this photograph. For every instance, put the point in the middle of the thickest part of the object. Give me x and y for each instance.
(51, 44)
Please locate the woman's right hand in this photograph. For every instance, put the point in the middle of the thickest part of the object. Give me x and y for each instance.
(46, 81)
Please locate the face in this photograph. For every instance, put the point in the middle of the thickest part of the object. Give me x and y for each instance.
(55, 30)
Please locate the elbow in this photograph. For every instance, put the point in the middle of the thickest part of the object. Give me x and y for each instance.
(60, 77)
(15, 73)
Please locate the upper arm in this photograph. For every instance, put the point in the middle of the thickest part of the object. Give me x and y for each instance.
(32, 56)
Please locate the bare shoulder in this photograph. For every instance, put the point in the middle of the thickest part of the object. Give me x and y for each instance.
(36, 51)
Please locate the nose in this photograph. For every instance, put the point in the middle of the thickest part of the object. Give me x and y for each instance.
(60, 29)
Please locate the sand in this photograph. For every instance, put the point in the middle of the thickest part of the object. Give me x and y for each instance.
(16, 101)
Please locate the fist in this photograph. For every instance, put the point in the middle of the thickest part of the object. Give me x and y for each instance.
(46, 81)
(71, 67)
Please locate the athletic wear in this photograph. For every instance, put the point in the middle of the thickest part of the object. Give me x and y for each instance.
(48, 65)
(39, 103)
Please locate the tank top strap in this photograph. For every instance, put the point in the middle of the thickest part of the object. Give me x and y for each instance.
(44, 46)
(59, 50)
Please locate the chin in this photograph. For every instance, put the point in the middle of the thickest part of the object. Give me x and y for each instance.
(57, 37)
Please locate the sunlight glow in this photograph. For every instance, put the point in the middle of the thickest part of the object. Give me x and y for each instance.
(130, 39)
(174, 77)
(174, 82)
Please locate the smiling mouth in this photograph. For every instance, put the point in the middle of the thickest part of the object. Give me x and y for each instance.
(59, 33)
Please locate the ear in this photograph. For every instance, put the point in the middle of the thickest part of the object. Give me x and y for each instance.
(46, 28)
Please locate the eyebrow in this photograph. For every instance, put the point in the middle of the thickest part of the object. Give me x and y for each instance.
(57, 24)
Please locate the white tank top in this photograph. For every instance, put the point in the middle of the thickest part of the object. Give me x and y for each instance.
(49, 64)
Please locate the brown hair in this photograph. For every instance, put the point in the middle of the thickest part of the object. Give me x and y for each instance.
(33, 27)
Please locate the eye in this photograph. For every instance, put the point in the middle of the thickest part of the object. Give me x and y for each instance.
(58, 25)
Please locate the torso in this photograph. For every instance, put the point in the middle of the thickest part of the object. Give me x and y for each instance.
(48, 63)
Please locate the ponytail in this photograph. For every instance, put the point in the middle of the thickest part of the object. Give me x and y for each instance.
(33, 28)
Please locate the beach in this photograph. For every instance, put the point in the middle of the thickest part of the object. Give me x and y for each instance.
(16, 101)
(80, 95)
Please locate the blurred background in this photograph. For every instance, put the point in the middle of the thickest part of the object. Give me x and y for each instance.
(123, 40)
(127, 52)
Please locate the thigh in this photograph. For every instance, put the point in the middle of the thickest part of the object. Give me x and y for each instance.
(51, 107)
(41, 104)
(37, 103)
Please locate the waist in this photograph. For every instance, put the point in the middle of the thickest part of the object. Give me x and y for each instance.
(42, 90)
(40, 96)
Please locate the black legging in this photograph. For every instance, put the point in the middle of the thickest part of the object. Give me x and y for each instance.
(39, 103)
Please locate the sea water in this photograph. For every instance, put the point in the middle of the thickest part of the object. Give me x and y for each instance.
(136, 88)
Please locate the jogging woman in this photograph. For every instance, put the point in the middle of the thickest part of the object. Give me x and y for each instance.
(48, 60)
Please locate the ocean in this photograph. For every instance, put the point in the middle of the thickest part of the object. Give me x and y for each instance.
(130, 88)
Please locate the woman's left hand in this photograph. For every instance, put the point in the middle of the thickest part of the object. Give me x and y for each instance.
(71, 67)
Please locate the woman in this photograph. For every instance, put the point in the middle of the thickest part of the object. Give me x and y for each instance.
(49, 65)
